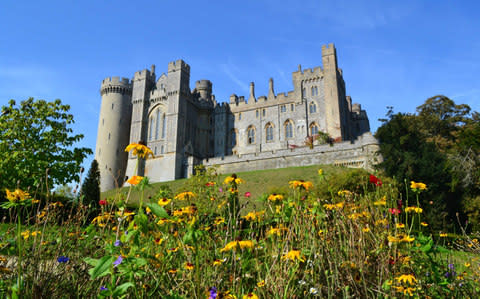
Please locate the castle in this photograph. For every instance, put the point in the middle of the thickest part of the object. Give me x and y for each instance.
(185, 127)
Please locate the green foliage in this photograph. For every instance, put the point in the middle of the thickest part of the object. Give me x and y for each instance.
(36, 138)
(438, 146)
(90, 192)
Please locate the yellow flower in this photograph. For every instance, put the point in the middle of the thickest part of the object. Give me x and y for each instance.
(17, 195)
(383, 221)
(261, 283)
(250, 296)
(407, 239)
(275, 197)
(344, 193)
(320, 172)
(406, 278)
(185, 195)
(233, 179)
(381, 202)
(467, 265)
(217, 262)
(235, 244)
(252, 216)
(172, 271)
(189, 266)
(405, 291)
(135, 180)
(400, 225)
(300, 184)
(413, 209)
(443, 235)
(293, 255)
(163, 201)
(423, 223)
(366, 229)
(277, 230)
(219, 220)
(139, 150)
(393, 239)
(417, 186)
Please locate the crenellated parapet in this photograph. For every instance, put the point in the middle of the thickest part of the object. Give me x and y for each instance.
(178, 65)
(116, 85)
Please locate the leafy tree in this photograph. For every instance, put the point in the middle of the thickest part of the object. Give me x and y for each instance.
(36, 139)
(91, 190)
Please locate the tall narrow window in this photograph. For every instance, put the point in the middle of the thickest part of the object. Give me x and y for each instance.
(161, 150)
(240, 116)
(313, 107)
(264, 112)
(283, 108)
(313, 91)
(269, 132)
(150, 128)
(251, 135)
(288, 129)
(256, 113)
(292, 107)
(157, 124)
(313, 129)
(164, 125)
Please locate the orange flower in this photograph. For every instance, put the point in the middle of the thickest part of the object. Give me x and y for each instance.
(135, 180)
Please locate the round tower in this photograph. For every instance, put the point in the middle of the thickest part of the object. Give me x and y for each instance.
(113, 131)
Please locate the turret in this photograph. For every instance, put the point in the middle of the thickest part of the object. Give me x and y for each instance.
(113, 131)
(204, 88)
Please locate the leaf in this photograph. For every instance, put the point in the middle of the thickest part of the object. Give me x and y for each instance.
(121, 289)
(158, 210)
(102, 268)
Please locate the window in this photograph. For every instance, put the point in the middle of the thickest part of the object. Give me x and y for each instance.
(292, 107)
(113, 105)
(161, 150)
(283, 108)
(313, 91)
(108, 136)
(155, 151)
(313, 129)
(304, 92)
(251, 135)
(313, 107)
(157, 124)
(150, 127)
(240, 116)
(164, 125)
(269, 132)
(256, 113)
(288, 129)
(264, 112)
(316, 91)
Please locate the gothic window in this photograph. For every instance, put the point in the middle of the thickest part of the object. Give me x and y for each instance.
(312, 107)
(283, 108)
(313, 129)
(150, 127)
(316, 91)
(164, 125)
(251, 135)
(288, 129)
(264, 112)
(292, 107)
(269, 132)
(313, 91)
(157, 124)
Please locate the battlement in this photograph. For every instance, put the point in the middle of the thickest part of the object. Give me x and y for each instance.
(116, 85)
(178, 65)
(328, 49)
(203, 84)
(143, 74)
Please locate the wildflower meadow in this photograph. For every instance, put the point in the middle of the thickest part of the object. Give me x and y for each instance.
(307, 239)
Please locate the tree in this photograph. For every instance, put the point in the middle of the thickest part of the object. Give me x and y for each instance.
(90, 190)
(36, 143)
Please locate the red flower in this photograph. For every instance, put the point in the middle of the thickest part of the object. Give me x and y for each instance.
(248, 194)
(375, 180)
(210, 184)
(102, 202)
(394, 211)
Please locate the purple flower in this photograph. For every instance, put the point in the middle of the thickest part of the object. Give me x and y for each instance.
(117, 243)
(213, 293)
(102, 288)
(118, 261)
(62, 259)
(220, 189)
(451, 266)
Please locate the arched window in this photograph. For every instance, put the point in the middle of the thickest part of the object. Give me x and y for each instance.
(288, 129)
(312, 107)
(157, 124)
(269, 132)
(316, 91)
(150, 127)
(313, 129)
(313, 91)
(164, 125)
(251, 135)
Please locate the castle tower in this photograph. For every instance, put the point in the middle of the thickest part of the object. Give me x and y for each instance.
(142, 83)
(333, 99)
(113, 131)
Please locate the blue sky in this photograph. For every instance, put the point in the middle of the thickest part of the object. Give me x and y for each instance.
(393, 53)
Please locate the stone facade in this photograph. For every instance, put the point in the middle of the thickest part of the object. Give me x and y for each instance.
(186, 127)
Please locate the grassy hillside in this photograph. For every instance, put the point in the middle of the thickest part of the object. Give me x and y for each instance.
(257, 182)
